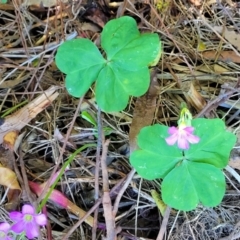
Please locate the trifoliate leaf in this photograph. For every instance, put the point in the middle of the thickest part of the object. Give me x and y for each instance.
(124, 73)
(81, 60)
(191, 183)
(155, 158)
(189, 177)
(215, 142)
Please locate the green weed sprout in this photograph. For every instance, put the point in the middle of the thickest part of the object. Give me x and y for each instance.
(192, 169)
(122, 73)
(88, 117)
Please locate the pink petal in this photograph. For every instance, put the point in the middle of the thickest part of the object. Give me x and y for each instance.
(8, 238)
(31, 230)
(4, 227)
(189, 129)
(16, 216)
(182, 142)
(193, 139)
(172, 130)
(18, 227)
(171, 140)
(28, 209)
(40, 219)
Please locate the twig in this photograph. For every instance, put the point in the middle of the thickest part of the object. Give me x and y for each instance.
(62, 150)
(234, 235)
(97, 165)
(138, 199)
(119, 196)
(233, 173)
(164, 224)
(25, 180)
(107, 205)
(214, 103)
(51, 48)
(113, 192)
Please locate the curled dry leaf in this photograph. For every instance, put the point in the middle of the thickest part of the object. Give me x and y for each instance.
(9, 140)
(9, 179)
(195, 98)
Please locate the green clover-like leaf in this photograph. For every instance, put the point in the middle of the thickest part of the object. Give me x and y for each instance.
(124, 73)
(81, 60)
(155, 158)
(114, 85)
(117, 34)
(190, 183)
(215, 142)
(190, 176)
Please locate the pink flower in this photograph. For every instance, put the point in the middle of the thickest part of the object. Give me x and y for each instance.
(183, 136)
(27, 221)
(4, 229)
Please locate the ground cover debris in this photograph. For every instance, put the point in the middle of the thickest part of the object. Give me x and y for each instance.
(56, 146)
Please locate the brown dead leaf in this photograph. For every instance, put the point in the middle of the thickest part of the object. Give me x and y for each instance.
(13, 197)
(9, 140)
(226, 56)
(95, 14)
(195, 98)
(230, 35)
(9, 179)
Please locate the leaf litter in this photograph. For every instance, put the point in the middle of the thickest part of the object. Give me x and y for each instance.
(199, 65)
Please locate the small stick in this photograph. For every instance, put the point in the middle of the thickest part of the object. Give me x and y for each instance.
(113, 192)
(118, 198)
(164, 224)
(96, 175)
(107, 205)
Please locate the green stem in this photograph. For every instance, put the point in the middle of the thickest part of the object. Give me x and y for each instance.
(70, 159)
